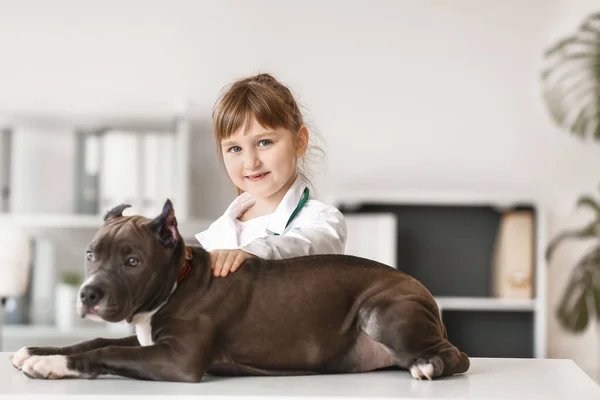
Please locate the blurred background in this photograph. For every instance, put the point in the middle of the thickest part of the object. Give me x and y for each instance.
(440, 148)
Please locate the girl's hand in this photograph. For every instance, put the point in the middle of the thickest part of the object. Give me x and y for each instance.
(225, 261)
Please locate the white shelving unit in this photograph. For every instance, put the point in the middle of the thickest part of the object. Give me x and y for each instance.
(500, 201)
(94, 188)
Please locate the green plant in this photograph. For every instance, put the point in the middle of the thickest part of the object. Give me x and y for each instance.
(571, 80)
(70, 278)
(571, 89)
(582, 294)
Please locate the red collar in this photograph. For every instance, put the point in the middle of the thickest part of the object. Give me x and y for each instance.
(187, 265)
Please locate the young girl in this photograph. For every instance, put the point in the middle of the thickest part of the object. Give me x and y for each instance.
(261, 138)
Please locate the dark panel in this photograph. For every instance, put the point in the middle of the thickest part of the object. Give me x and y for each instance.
(491, 333)
(448, 248)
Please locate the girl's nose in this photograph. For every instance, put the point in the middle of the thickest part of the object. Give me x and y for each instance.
(251, 160)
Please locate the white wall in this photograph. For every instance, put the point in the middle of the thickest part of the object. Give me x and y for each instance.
(409, 94)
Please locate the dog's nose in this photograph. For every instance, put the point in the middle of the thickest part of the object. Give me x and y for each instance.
(91, 295)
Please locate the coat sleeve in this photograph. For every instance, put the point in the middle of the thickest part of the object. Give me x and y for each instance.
(323, 233)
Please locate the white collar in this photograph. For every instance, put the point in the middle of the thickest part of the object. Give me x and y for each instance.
(282, 213)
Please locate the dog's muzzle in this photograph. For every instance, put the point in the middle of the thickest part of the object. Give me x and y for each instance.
(97, 300)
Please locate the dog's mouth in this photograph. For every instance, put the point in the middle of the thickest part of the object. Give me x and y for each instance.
(92, 313)
(102, 312)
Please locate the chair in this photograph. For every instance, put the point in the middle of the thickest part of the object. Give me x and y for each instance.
(15, 265)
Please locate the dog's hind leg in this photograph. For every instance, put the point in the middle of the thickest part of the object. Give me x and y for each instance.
(411, 331)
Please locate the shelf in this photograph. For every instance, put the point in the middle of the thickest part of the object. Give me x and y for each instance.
(445, 303)
(501, 200)
(80, 221)
(485, 304)
(52, 220)
(49, 331)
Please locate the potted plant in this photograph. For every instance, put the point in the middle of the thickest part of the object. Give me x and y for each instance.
(571, 90)
(66, 297)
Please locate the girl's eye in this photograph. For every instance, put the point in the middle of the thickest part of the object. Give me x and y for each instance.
(264, 142)
(234, 149)
(89, 255)
(132, 262)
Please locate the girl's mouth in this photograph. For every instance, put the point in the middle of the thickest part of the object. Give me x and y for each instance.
(256, 177)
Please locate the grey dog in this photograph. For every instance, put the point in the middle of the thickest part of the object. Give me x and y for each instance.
(317, 314)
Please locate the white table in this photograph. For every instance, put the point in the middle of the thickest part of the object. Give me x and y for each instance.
(487, 379)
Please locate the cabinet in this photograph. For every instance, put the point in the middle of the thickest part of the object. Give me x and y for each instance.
(447, 241)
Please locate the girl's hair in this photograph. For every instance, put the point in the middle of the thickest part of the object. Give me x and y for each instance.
(266, 99)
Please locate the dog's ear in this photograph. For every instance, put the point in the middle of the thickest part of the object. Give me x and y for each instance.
(165, 225)
(116, 212)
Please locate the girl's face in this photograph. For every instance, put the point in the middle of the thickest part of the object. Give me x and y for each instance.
(263, 162)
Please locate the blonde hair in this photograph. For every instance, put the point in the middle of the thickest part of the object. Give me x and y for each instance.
(268, 101)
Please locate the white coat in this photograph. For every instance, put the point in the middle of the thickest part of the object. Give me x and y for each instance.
(316, 229)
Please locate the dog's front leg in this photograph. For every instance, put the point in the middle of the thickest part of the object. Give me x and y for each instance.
(161, 362)
(19, 358)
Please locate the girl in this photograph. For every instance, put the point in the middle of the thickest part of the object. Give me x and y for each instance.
(261, 138)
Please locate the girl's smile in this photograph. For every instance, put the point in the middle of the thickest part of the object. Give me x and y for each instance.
(257, 177)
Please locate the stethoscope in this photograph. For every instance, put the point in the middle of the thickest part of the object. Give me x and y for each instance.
(301, 204)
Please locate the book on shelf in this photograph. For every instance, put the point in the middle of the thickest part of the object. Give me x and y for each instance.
(87, 167)
(120, 166)
(513, 258)
(5, 162)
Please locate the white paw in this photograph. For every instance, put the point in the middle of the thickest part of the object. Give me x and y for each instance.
(420, 371)
(20, 357)
(47, 367)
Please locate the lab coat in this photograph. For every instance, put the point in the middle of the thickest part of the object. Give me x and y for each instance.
(317, 228)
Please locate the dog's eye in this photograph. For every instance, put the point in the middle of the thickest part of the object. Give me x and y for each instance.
(89, 255)
(132, 262)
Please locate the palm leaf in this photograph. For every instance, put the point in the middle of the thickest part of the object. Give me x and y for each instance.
(588, 232)
(571, 80)
(596, 296)
(574, 314)
(589, 201)
(581, 293)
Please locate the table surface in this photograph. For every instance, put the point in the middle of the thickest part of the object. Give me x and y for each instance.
(488, 378)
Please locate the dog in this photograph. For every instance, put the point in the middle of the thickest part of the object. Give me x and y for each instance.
(317, 314)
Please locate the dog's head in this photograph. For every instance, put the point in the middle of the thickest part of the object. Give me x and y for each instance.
(131, 265)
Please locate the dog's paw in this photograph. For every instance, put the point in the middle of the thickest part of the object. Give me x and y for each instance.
(19, 358)
(428, 369)
(420, 371)
(47, 367)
